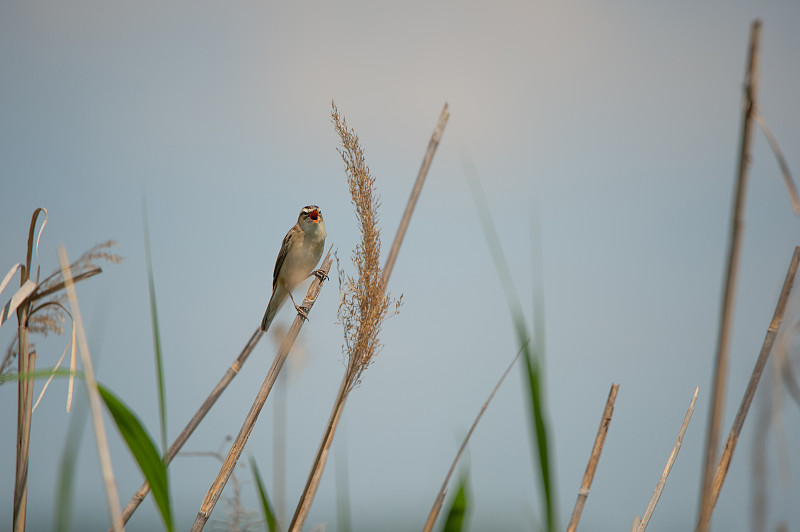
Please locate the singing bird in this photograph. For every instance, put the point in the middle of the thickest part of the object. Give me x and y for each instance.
(301, 250)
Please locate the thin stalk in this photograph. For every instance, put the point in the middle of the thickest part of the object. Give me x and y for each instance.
(723, 343)
(237, 447)
(343, 519)
(670, 461)
(594, 459)
(187, 431)
(437, 504)
(766, 347)
(94, 396)
(314, 477)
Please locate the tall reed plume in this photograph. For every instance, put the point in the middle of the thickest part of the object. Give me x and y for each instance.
(365, 304)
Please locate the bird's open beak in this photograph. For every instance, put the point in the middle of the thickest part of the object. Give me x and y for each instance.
(314, 216)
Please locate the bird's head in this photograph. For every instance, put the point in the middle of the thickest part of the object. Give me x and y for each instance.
(310, 213)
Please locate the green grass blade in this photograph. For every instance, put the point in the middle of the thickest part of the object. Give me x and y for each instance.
(537, 275)
(459, 508)
(534, 375)
(39, 374)
(143, 450)
(162, 400)
(540, 432)
(270, 523)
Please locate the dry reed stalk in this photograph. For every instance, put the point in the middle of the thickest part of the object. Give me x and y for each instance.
(321, 458)
(94, 396)
(670, 461)
(237, 447)
(365, 303)
(723, 343)
(238, 518)
(415, 192)
(738, 422)
(187, 431)
(594, 459)
(437, 504)
(23, 438)
(26, 360)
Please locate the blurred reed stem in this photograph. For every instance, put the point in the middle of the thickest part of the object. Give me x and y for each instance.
(719, 383)
(112, 494)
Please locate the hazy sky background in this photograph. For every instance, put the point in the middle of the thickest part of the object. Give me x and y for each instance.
(616, 123)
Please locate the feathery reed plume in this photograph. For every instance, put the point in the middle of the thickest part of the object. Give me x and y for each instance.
(364, 305)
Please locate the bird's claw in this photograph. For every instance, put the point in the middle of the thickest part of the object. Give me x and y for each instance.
(320, 274)
(303, 311)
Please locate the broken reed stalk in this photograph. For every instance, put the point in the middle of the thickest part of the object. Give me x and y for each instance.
(723, 343)
(415, 192)
(94, 396)
(373, 301)
(437, 504)
(769, 339)
(670, 461)
(594, 459)
(237, 447)
(176, 446)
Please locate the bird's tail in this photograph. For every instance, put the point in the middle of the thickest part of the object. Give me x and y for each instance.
(278, 297)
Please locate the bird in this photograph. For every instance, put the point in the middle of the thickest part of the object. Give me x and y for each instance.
(300, 252)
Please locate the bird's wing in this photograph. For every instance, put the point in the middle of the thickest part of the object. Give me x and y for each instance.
(282, 255)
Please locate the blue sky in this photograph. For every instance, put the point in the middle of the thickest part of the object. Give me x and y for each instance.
(616, 124)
